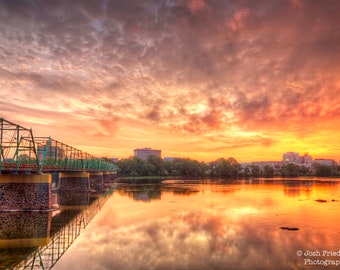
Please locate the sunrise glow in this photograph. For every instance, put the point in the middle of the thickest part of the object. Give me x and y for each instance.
(195, 78)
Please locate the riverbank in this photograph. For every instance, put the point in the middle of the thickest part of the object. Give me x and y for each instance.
(159, 179)
(144, 179)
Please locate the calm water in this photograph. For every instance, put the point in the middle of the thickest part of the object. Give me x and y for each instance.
(213, 225)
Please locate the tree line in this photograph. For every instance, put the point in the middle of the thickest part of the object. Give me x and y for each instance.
(220, 168)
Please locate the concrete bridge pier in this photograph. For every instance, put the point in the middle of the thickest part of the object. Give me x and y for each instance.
(74, 189)
(25, 192)
(74, 181)
(24, 229)
(97, 181)
(71, 200)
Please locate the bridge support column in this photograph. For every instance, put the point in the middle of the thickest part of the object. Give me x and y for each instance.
(69, 199)
(78, 181)
(108, 177)
(25, 192)
(97, 181)
(24, 229)
(74, 189)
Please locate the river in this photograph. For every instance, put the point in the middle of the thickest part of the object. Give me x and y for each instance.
(241, 224)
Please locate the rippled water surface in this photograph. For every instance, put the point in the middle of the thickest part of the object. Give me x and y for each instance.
(260, 224)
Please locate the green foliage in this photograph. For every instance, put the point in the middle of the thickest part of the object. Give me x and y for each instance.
(220, 168)
(268, 171)
(305, 170)
(322, 170)
(290, 170)
(255, 170)
(155, 166)
(247, 172)
(223, 168)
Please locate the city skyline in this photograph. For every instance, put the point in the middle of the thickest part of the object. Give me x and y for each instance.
(196, 78)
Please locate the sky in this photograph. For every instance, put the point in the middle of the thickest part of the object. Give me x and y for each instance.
(201, 79)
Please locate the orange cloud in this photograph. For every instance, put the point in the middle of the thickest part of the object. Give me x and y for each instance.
(196, 78)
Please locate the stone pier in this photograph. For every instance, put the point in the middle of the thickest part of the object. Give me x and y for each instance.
(24, 229)
(74, 189)
(75, 182)
(71, 199)
(24, 192)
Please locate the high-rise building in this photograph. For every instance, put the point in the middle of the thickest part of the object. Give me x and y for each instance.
(144, 153)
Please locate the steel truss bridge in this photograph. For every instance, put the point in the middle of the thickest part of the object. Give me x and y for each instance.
(20, 151)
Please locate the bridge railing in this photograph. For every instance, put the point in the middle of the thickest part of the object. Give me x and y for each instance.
(21, 151)
(53, 154)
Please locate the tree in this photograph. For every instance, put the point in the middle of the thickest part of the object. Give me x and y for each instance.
(155, 165)
(255, 170)
(322, 170)
(224, 168)
(290, 170)
(268, 171)
(246, 171)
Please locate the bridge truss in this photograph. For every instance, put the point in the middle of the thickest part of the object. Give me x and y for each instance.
(21, 151)
(17, 147)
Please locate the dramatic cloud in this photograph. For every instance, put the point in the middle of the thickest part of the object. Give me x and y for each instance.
(260, 75)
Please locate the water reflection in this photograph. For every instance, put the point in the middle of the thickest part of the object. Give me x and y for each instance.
(20, 233)
(36, 240)
(220, 225)
(146, 192)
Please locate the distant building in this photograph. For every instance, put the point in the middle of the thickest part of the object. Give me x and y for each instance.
(294, 157)
(144, 153)
(306, 160)
(326, 162)
(291, 157)
(50, 152)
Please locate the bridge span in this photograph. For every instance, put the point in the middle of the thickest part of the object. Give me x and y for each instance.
(30, 167)
(23, 152)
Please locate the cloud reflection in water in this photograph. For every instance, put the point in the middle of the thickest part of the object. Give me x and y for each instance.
(206, 230)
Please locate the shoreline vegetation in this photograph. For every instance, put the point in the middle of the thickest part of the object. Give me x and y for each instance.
(159, 179)
(144, 179)
(156, 169)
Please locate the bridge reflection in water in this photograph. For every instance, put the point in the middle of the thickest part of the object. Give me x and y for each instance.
(36, 240)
